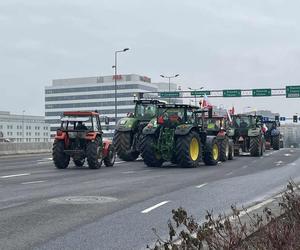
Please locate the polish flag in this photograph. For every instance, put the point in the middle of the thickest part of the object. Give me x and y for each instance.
(205, 103)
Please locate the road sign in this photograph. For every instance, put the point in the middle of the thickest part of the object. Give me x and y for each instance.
(200, 93)
(169, 94)
(292, 91)
(232, 93)
(261, 92)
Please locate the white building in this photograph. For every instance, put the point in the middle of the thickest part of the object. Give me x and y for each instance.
(93, 93)
(23, 128)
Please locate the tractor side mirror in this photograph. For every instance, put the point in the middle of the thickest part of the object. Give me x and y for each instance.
(106, 120)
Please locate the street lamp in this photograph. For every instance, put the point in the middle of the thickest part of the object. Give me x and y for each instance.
(196, 95)
(169, 77)
(23, 125)
(115, 67)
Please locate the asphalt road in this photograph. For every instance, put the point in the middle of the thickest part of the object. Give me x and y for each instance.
(42, 207)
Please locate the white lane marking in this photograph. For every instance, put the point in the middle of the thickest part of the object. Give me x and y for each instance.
(245, 166)
(230, 173)
(278, 163)
(261, 157)
(32, 182)
(44, 162)
(287, 154)
(267, 154)
(118, 162)
(13, 175)
(128, 172)
(154, 207)
(202, 185)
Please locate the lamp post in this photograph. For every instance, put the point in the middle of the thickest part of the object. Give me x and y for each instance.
(169, 77)
(115, 76)
(196, 95)
(23, 125)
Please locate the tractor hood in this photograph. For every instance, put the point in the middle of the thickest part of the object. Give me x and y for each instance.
(126, 124)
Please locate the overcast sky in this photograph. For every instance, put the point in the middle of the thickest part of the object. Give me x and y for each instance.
(217, 44)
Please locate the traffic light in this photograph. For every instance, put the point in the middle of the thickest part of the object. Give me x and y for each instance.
(276, 117)
(295, 118)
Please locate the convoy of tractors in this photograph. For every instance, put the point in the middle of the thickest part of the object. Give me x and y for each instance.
(181, 134)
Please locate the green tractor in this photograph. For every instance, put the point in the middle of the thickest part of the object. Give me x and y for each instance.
(219, 126)
(247, 134)
(128, 132)
(177, 135)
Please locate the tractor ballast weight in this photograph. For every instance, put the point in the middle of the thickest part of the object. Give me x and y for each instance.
(128, 132)
(176, 135)
(80, 141)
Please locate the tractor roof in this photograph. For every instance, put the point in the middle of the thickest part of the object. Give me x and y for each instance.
(80, 113)
(177, 106)
(149, 101)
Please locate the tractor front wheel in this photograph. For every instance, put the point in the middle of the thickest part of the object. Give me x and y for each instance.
(123, 144)
(188, 150)
(148, 152)
(60, 159)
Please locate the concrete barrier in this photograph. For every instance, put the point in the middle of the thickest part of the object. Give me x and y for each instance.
(7, 148)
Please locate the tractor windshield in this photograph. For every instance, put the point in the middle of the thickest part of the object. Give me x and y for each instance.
(145, 111)
(77, 123)
(243, 121)
(213, 124)
(172, 114)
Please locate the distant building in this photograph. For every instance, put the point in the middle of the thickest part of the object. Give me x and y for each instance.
(94, 93)
(23, 128)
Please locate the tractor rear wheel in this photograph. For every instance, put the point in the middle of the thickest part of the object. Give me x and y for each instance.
(123, 143)
(150, 156)
(60, 159)
(110, 159)
(255, 146)
(276, 142)
(224, 149)
(79, 162)
(231, 150)
(94, 154)
(211, 153)
(188, 150)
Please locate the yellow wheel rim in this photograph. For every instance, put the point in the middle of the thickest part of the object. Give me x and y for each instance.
(194, 149)
(215, 152)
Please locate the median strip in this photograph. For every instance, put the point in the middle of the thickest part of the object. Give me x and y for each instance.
(154, 207)
(13, 175)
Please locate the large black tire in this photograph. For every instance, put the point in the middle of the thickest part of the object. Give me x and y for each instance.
(231, 150)
(110, 159)
(151, 158)
(255, 146)
(224, 149)
(123, 142)
(276, 142)
(210, 158)
(60, 159)
(94, 154)
(188, 150)
(79, 163)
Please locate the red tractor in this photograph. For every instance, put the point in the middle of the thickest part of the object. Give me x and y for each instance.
(80, 138)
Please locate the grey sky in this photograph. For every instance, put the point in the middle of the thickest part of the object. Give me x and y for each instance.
(215, 44)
